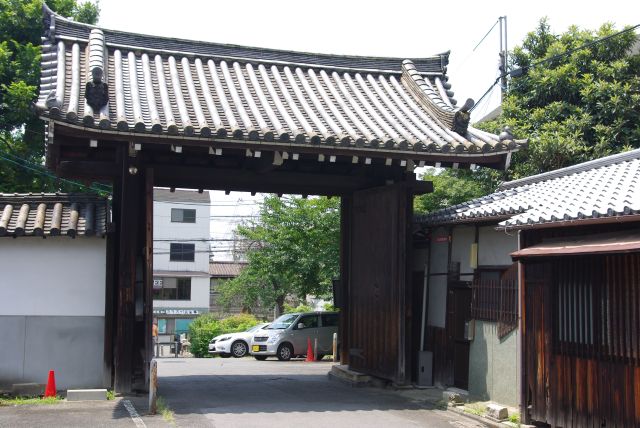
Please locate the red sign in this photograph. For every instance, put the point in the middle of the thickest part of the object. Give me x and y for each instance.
(441, 239)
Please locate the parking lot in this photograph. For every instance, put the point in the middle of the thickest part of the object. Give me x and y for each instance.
(249, 393)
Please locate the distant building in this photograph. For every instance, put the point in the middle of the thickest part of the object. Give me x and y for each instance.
(53, 288)
(180, 258)
(220, 273)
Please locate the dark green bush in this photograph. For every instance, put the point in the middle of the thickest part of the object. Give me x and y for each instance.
(206, 327)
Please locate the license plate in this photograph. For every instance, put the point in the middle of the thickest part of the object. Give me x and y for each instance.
(255, 348)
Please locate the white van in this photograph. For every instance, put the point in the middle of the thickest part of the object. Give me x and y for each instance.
(288, 335)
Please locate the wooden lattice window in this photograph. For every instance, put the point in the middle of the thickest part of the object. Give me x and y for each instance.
(495, 297)
(596, 303)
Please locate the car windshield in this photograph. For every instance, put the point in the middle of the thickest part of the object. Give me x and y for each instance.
(255, 328)
(282, 322)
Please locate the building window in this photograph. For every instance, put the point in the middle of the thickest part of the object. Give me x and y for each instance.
(494, 296)
(172, 289)
(182, 215)
(182, 252)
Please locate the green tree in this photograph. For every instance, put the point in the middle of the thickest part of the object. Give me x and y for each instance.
(21, 132)
(576, 104)
(454, 186)
(294, 251)
(572, 108)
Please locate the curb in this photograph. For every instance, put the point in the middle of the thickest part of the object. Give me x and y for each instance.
(476, 418)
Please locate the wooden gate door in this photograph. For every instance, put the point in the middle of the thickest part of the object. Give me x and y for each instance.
(378, 319)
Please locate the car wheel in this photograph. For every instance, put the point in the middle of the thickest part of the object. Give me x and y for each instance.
(285, 352)
(260, 357)
(239, 349)
(225, 355)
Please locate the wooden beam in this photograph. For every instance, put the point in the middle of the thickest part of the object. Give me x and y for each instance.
(96, 170)
(253, 181)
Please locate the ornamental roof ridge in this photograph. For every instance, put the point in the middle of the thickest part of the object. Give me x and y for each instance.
(64, 28)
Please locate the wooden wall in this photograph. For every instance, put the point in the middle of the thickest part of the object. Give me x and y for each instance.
(581, 338)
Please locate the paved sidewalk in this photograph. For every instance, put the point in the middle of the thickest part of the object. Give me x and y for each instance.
(111, 414)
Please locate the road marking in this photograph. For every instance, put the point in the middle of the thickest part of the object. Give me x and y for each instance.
(134, 414)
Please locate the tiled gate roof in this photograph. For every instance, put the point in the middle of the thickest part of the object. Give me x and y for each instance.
(187, 89)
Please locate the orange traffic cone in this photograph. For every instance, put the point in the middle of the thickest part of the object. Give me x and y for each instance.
(310, 357)
(50, 391)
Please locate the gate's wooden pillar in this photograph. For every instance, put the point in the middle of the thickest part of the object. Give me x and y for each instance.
(346, 214)
(148, 273)
(130, 227)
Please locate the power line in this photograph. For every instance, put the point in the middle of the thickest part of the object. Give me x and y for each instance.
(46, 174)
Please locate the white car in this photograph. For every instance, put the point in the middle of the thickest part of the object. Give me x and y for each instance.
(236, 344)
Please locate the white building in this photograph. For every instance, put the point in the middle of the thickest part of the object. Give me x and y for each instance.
(53, 286)
(180, 258)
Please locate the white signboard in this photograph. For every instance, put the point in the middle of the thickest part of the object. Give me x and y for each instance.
(176, 312)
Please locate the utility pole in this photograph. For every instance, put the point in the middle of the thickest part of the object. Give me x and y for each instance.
(504, 52)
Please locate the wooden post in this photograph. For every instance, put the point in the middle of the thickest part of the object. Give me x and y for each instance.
(346, 208)
(127, 223)
(148, 274)
(153, 387)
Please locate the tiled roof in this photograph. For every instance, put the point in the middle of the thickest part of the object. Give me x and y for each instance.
(194, 196)
(52, 214)
(606, 187)
(225, 269)
(203, 90)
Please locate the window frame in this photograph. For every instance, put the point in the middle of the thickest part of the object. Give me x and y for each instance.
(182, 212)
(161, 293)
(176, 255)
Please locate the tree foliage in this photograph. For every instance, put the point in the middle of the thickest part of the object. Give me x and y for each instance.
(294, 251)
(574, 107)
(454, 186)
(21, 132)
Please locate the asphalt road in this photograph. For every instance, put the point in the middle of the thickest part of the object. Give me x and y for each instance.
(247, 393)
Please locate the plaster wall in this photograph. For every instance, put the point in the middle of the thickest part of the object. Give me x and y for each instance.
(494, 246)
(461, 239)
(493, 365)
(52, 310)
(53, 276)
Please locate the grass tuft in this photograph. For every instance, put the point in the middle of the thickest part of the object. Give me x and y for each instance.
(165, 411)
(21, 401)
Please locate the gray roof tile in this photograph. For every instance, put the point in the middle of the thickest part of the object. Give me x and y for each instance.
(195, 89)
(605, 187)
(52, 214)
